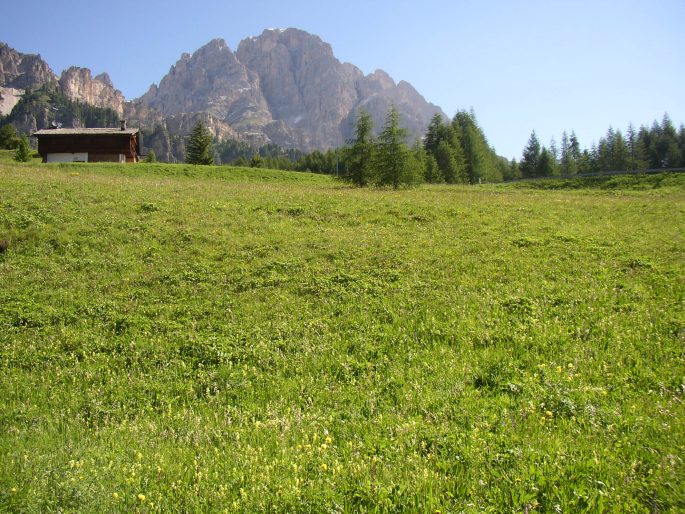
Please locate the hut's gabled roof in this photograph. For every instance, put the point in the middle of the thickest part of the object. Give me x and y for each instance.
(86, 132)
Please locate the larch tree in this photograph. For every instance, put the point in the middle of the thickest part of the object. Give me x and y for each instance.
(447, 163)
(394, 164)
(360, 155)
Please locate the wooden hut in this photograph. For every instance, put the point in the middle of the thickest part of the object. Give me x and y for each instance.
(89, 144)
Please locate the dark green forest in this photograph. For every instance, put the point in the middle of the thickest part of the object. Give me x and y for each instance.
(457, 151)
(660, 146)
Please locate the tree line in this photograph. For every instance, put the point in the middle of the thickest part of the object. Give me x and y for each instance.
(454, 151)
(660, 146)
(451, 151)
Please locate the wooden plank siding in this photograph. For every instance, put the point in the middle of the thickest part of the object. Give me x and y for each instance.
(105, 146)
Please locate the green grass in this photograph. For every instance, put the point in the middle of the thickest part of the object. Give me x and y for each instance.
(7, 157)
(251, 340)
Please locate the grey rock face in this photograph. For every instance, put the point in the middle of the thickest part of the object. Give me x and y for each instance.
(284, 87)
(288, 86)
(78, 84)
(22, 71)
(211, 80)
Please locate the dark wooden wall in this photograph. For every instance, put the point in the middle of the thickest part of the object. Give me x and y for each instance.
(103, 144)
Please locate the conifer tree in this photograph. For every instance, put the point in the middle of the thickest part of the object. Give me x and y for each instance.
(568, 164)
(574, 147)
(667, 144)
(394, 164)
(432, 173)
(437, 132)
(619, 152)
(512, 172)
(9, 138)
(258, 162)
(480, 160)
(360, 155)
(531, 155)
(419, 160)
(23, 153)
(631, 140)
(151, 156)
(199, 146)
(447, 163)
(546, 164)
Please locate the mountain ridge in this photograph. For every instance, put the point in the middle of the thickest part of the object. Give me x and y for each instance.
(284, 86)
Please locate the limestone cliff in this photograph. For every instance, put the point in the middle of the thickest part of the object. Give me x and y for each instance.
(78, 84)
(21, 71)
(286, 86)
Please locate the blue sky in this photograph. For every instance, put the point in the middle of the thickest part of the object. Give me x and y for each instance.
(521, 65)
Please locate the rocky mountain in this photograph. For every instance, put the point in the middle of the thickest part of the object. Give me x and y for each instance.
(78, 84)
(21, 71)
(286, 85)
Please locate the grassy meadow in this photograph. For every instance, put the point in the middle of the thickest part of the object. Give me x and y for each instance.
(202, 339)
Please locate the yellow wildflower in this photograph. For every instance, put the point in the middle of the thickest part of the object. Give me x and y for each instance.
(141, 497)
(323, 466)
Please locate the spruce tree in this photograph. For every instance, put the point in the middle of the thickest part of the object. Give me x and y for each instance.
(667, 144)
(620, 153)
(199, 147)
(531, 155)
(568, 164)
(631, 140)
(575, 147)
(546, 165)
(360, 155)
(642, 148)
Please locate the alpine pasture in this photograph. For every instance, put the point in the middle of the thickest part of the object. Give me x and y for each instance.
(179, 338)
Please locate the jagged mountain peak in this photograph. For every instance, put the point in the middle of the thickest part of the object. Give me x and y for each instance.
(291, 37)
(21, 71)
(214, 46)
(283, 86)
(288, 85)
(78, 84)
(105, 79)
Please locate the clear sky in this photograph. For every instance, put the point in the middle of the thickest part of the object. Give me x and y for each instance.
(521, 64)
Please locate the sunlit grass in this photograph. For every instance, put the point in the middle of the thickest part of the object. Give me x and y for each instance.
(179, 338)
